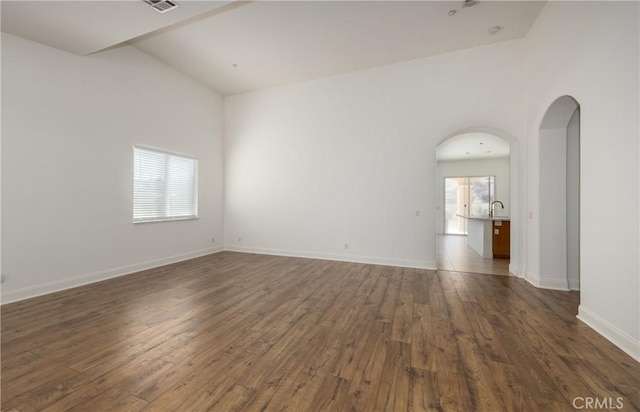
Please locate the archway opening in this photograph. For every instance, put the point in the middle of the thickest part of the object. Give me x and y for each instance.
(559, 213)
(476, 199)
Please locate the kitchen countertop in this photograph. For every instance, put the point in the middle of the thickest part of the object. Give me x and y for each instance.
(495, 218)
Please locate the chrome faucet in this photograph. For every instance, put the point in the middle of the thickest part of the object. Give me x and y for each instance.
(492, 207)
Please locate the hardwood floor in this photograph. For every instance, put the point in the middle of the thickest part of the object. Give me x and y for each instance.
(242, 332)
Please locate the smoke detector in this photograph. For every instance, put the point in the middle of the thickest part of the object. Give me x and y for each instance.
(469, 3)
(162, 6)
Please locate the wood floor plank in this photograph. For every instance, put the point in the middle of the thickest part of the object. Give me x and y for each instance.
(368, 373)
(122, 381)
(299, 393)
(377, 292)
(437, 303)
(403, 316)
(331, 394)
(17, 392)
(423, 338)
(421, 287)
(424, 394)
(234, 400)
(388, 306)
(514, 395)
(129, 371)
(393, 392)
(243, 332)
(354, 344)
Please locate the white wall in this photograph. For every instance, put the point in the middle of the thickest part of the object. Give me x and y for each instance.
(477, 167)
(68, 127)
(553, 208)
(573, 201)
(350, 159)
(589, 50)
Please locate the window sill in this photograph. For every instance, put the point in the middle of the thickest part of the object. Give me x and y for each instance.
(171, 219)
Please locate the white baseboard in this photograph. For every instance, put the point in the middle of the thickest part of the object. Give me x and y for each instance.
(431, 265)
(546, 283)
(531, 278)
(574, 284)
(609, 331)
(58, 285)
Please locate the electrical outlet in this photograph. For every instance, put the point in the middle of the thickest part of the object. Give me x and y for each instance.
(417, 213)
(3, 278)
(346, 246)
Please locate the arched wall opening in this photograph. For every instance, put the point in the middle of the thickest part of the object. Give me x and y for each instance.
(559, 195)
(512, 197)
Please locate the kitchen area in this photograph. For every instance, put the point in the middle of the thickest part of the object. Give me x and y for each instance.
(489, 236)
(473, 222)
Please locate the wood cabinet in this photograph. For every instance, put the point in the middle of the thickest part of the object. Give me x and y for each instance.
(501, 239)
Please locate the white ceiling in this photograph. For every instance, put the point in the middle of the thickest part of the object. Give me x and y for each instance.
(88, 26)
(279, 42)
(469, 146)
(271, 42)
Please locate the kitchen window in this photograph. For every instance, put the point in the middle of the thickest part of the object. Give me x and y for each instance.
(466, 196)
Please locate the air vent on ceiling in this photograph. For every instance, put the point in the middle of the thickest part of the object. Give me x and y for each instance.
(469, 3)
(162, 6)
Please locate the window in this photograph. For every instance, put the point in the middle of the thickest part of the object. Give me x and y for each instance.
(466, 196)
(164, 186)
(482, 191)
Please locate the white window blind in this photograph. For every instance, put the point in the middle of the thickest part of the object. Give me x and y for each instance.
(164, 186)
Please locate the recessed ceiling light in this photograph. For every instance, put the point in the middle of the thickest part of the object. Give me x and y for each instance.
(494, 29)
(452, 12)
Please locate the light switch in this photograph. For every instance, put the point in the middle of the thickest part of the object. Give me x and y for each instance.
(496, 231)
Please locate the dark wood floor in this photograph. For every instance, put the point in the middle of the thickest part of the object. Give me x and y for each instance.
(232, 332)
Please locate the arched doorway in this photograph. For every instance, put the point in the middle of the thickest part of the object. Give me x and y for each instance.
(480, 168)
(559, 188)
